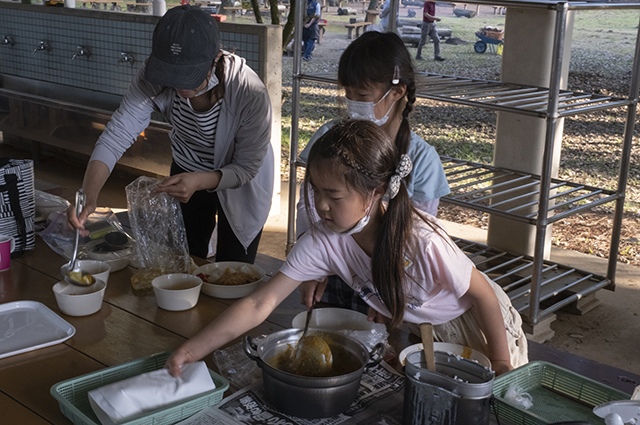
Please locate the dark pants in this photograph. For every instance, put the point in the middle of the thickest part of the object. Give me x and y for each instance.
(309, 37)
(199, 221)
(339, 294)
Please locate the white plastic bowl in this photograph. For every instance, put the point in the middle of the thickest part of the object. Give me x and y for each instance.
(76, 300)
(333, 319)
(98, 269)
(459, 350)
(116, 260)
(177, 291)
(229, 291)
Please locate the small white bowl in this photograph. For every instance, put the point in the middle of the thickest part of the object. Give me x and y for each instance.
(98, 269)
(177, 291)
(333, 319)
(229, 291)
(458, 350)
(118, 260)
(76, 300)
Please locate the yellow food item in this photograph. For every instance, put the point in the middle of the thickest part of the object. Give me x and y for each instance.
(235, 278)
(142, 279)
(82, 278)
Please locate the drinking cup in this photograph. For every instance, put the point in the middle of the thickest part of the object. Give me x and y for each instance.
(7, 245)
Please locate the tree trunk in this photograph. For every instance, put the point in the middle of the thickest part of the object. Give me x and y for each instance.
(256, 11)
(275, 13)
(287, 31)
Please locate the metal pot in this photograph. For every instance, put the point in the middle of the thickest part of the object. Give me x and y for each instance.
(308, 397)
(459, 392)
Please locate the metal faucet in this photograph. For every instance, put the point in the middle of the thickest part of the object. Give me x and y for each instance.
(42, 46)
(126, 58)
(82, 51)
(7, 41)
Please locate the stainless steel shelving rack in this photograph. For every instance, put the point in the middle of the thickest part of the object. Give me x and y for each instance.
(537, 287)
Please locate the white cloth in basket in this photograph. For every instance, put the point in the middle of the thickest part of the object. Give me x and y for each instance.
(124, 399)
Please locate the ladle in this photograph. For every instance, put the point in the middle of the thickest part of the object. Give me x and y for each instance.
(426, 332)
(312, 355)
(72, 266)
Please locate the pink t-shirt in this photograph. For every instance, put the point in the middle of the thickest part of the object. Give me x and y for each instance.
(440, 272)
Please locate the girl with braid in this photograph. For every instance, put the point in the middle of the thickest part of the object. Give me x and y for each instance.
(377, 75)
(401, 262)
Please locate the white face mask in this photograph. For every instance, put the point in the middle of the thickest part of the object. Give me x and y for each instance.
(362, 223)
(213, 81)
(358, 110)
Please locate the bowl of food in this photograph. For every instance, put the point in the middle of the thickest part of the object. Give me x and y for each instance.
(76, 300)
(229, 279)
(176, 291)
(445, 347)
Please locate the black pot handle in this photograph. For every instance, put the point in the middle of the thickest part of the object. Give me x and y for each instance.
(375, 356)
(251, 349)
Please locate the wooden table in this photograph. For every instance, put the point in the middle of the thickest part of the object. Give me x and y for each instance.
(233, 12)
(131, 326)
(95, 4)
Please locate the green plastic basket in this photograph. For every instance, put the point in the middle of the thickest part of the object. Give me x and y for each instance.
(74, 402)
(558, 395)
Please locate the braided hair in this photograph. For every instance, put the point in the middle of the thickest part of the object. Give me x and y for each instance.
(366, 158)
(373, 58)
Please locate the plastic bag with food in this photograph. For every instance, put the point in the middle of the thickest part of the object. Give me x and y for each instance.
(102, 222)
(158, 228)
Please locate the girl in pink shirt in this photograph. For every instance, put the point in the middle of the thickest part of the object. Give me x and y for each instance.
(399, 260)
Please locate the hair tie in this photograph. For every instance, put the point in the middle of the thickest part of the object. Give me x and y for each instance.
(404, 168)
(396, 75)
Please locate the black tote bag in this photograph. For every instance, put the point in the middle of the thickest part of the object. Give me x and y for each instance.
(17, 202)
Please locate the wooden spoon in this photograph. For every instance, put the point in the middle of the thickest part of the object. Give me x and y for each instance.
(426, 332)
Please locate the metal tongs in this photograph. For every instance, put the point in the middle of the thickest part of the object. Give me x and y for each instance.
(72, 268)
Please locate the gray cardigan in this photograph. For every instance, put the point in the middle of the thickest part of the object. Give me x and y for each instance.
(242, 151)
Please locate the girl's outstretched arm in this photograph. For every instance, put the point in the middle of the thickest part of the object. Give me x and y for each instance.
(491, 322)
(239, 318)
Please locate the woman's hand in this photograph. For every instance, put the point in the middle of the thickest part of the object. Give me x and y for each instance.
(501, 366)
(311, 292)
(182, 186)
(78, 222)
(177, 359)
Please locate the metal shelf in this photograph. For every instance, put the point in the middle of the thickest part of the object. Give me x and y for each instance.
(560, 285)
(499, 96)
(514, 194)
(537, 287)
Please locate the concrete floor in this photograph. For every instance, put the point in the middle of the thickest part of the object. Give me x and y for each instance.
(607, 334)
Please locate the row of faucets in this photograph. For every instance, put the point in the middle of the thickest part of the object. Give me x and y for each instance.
(81, 51)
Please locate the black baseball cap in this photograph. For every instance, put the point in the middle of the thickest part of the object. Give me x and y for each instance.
(185, 43)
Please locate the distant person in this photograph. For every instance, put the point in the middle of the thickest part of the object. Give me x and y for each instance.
(220, 114)
(429, 29)
(310, 30)
(384, 17)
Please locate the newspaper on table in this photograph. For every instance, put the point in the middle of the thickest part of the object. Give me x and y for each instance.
(379, 401)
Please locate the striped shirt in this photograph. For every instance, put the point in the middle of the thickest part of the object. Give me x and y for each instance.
(193, 135)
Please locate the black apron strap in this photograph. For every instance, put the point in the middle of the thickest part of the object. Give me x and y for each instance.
(11, 187)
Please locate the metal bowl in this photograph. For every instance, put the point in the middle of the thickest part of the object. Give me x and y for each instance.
(308, 397)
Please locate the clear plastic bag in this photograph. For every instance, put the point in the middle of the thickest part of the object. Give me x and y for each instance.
(158, 228)
(377, 334)
(61, 238)
(236, 367)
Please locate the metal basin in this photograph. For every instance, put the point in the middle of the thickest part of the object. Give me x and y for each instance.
(307, 397)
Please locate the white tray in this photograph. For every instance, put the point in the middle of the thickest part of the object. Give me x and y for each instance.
(29, 325)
